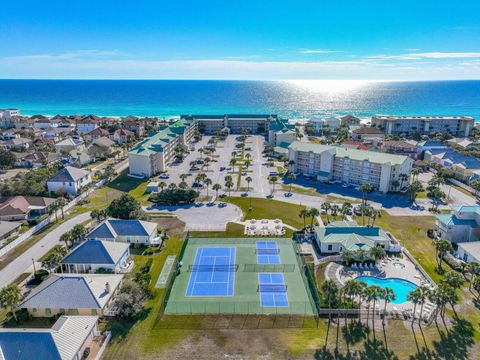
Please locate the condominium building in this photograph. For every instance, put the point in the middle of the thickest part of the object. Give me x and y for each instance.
(209, 124)
(396, 125)
(152, 155)
(351, 166)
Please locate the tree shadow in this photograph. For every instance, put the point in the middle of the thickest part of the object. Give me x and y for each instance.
(457, 342)
(355, 333)
(373, 350)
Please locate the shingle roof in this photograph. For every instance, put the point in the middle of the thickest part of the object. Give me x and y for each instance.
(68, 173)
(354, 154)
(96, 252)
(72, 291)
(23, 345)
(112, 228)
(368, 130)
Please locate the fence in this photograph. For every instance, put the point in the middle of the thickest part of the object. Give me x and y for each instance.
(463, 186)
(24, 236)
(269, 268)
(108, 336)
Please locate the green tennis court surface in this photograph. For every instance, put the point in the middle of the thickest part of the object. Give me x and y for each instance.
(244, 271)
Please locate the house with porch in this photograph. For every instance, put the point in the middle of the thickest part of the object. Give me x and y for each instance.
(15, 208)
(126, 231)
(461, 225)
(89, 256)
(73, 294)
(66, 340)
(70, 179)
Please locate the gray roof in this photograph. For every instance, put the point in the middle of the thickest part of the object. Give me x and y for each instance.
(472, 248)
(69, 173)
(72, 291)
(7, 226)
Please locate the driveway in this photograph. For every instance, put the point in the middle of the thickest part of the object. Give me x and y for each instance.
(201, 217)
(24, 261)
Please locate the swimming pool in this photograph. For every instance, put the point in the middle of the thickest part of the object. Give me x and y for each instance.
(400, 287)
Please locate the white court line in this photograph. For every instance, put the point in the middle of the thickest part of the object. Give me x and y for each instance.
(213, 269)
(196, 273)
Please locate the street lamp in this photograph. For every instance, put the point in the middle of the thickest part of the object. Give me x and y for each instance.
(34, 271)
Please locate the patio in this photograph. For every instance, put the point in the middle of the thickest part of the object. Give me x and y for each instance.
(264, 227)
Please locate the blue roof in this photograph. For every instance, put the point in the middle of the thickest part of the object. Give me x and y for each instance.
(359, 230)
(89, 252)
(57, 292)
(120, 227)
(451, 219)
(23, 345)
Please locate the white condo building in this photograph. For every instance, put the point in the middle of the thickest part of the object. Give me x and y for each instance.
(394, 125)
(351, 166)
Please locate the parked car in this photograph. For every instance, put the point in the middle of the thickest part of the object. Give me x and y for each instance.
(222, 168)
(197, 184)
(163, 176)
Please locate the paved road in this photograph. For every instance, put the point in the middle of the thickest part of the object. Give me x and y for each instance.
(24, 261)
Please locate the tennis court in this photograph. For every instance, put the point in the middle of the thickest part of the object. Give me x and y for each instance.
(267, 252)
(272, 289)
(225, 276)
(213, 273)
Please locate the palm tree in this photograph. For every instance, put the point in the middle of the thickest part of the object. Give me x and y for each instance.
(313, 212)
(67, 238)
(414, 297)
(183, 177)
(233, 162)
(216, 187)
(207, 183)
(423, 293)
(61, 202)
(291, 178)
(303, 214)
(183, 185)
(415, 172)
(395, 184)
(207, 162)
(442, 247)
(54, 209)
(335, 210)
(162, 185)
(273, 180)
(403, 178)
(229, 185)
(248, 179)
(192, 163)
(326, 206)
(248, 156)
(345, 210)
(330, 291)
(172, 186)
(365, 189)
(388, 296)
(473, 268)
(377, 252)
(376, 293)
(414, 188)
(10, 297)
(369, 295)
(200, 151)
(361, 291)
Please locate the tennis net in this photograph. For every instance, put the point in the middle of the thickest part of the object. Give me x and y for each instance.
(267, 251)
(272, 288)
(210, 268)
(284, 268)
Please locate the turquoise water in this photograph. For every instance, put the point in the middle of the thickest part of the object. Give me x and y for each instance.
(400, 287)
(288, 99)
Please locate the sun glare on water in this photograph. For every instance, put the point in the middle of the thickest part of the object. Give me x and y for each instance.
(330, 86)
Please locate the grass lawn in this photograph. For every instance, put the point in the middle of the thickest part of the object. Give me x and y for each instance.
(132, 340)
(411, 231)
(269, 209)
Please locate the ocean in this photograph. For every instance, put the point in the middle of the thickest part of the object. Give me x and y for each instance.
(289, 99)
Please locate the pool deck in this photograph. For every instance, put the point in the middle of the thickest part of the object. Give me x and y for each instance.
(403, 269)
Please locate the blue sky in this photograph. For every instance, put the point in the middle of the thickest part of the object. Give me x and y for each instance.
(374, 40)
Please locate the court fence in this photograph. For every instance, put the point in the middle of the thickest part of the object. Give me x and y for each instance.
(269, 268)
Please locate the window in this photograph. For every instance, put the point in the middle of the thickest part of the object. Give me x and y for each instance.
(72, 312)
(34, 310)
(329, 248)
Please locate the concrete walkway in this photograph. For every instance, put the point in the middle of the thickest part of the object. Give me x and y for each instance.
(24, 261)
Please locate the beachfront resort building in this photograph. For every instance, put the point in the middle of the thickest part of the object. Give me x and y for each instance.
(209, 124)
(395, 125)
(350, 166)
(339, 236)
(153, 154)
(461, 225)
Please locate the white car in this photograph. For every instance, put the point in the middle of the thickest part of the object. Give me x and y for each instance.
(163, 176)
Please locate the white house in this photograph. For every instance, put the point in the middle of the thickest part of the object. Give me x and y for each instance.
(86, 125)
(469, 251)
(127, 231)
(461, 225)
(70, 179)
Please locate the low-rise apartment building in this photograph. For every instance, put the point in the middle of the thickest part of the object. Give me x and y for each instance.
(209, 124)
(351, 166)
(152, 155)
(396, 125)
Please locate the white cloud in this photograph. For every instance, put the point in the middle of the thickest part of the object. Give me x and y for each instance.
(317, 51)
(427, 55)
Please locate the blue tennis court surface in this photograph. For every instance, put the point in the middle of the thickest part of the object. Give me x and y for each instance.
(213, 273)
(272, 289)
(267, 252)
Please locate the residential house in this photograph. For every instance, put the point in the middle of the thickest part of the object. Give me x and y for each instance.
(401, 147)
(91, 255)
(339, 236)
(73, 294)
(7, 115)
(17, 144)
(367, 133)
(469, 251)
(332, 122)
(353, 144)
(96, 134)
(69, 179)
(123, 136)
(349, 166)
(66, 340)
(349, 120)
(466, 168)
(127, 231)
(44, 124)
(24, 207)
(426, 145)
(70, 144)
(87, 124)
(461, 225)
(464, 143)
(134, 125)
(9, 134)
(101, 148)
(32, 160)
(8, 228)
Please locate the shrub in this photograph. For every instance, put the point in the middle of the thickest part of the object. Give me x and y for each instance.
(431, 233)
(103, 271)
(176, 196)
(146, 268)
